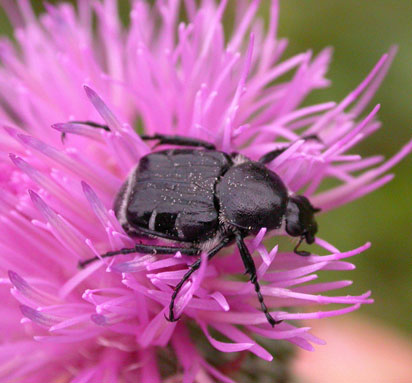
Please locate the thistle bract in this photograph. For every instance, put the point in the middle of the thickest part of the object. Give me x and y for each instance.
(171, 77)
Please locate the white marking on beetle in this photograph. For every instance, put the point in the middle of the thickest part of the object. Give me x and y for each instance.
(152, 220)
(239, 159)
(282, 226)
(222, 219)
(179, 230)
(180, 233)
(211, 243)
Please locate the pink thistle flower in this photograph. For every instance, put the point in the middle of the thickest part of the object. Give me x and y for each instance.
(106, 322)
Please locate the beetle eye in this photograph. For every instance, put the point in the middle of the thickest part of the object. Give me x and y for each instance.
(293, 228)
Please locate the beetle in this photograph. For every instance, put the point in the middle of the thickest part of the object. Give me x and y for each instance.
(203, 200)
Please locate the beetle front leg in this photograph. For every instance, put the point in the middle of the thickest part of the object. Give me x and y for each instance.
(270, 156)
(251, 270)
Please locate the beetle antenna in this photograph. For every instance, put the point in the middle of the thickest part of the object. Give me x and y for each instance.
(301, 252)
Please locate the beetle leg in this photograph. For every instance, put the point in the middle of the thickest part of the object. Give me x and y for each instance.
(270, 156)
(162, 138)
(179, 140)
(145, 249)
(88, 123)
(251, 270)
(193, 267)
(92, 124)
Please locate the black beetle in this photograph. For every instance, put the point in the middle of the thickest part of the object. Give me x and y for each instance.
(204, 200)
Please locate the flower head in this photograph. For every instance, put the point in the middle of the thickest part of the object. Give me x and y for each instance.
(165, 76)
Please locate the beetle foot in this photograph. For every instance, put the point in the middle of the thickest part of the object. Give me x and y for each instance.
(272, 321)
(302, 253)
(171, 318)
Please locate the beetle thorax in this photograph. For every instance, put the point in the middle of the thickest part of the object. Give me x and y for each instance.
(251, 197)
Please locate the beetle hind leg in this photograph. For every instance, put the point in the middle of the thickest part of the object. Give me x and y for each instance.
(193, 267)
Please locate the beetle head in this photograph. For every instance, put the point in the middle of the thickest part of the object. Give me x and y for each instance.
(300, 220)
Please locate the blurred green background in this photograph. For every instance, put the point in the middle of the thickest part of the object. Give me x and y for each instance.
(360, 32)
